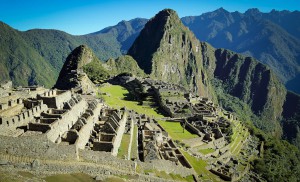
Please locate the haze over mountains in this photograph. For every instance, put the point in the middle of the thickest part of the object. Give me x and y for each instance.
(273, 38)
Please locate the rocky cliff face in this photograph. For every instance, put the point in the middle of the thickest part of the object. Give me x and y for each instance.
(254, 84)
(272, 38)
(168, 51)
(72, 74)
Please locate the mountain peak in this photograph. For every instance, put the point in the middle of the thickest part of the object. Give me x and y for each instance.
(151, 36)
(169, 51)
(252, 11)
(71, 74)
(166, 13)
(80, 56)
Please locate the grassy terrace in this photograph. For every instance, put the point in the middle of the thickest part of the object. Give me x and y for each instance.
(75, 177)
(239, 135)
(134, 153)
(199, 166)
(206, 151)
(176, 130)
(170, 176)
(118, 97)
(123, 150)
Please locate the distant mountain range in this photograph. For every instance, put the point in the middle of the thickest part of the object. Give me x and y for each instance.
(273, 38)
(167, 50)
(36, 56)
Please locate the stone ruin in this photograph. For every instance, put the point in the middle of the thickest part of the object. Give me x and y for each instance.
(66, 126)
(157, 145)
(199, 115)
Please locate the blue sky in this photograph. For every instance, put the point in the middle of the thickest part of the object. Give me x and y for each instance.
(79, 17)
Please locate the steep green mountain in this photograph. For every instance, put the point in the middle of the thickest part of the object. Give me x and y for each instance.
(272, 38)
(291, 121)
(123, 64)
(20, 62)
(254, 84)
(168, 51)
(41, 53)
(80, 69)
(245, 86)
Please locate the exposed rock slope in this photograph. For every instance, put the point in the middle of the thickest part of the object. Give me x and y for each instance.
(254, 84)
(167, 50)
(72, 74)
(273, 38)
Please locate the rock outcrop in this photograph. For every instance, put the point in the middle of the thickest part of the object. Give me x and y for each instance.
(169, 51)
(253, 83)
(72, 75)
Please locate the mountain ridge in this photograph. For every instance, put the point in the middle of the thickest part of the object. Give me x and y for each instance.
(115, 40)
(176, 56)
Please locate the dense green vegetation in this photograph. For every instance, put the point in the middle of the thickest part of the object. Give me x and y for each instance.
(281, 160)
(252, 83)
(21, 63)
(271, 37)
(124, 64)
(95, 71)
(37, 56)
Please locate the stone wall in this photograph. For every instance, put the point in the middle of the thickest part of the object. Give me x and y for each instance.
(55, 98)
(85, 131)
(6, 85)
(167, 166)
(38, 147)
(10, 103)
(59, 127)
(120, 132)
(22, 118)
(106, 158)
